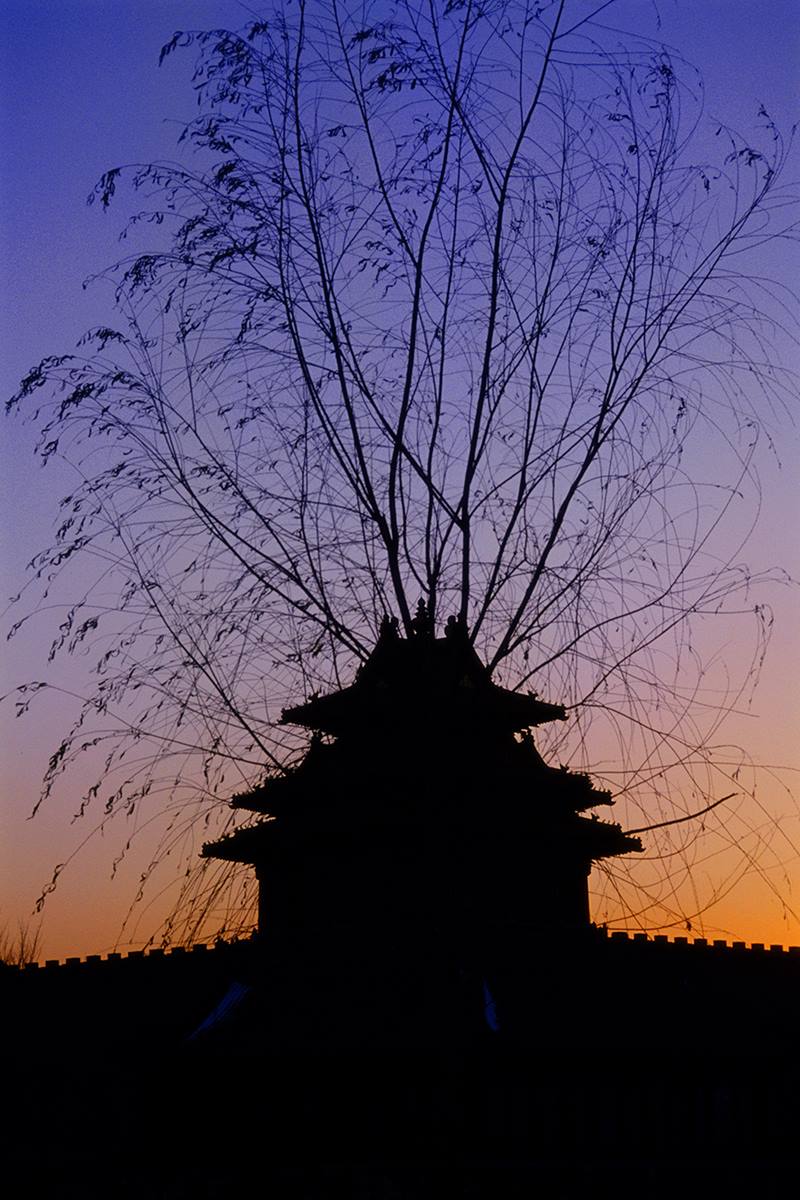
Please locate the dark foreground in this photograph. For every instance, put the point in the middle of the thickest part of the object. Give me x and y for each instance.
(391, 1126)
(615, 1068)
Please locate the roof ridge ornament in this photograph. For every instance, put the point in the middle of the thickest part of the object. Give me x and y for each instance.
(389, 630)
(455, 628)
(422, 623)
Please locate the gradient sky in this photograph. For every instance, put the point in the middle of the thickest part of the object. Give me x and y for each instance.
(81, 92)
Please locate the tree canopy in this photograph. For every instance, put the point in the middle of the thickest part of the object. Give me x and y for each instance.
(440, 304)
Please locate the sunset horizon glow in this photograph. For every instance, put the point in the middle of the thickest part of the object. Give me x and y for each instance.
(82, 92)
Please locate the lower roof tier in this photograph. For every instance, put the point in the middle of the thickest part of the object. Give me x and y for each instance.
(581, 838)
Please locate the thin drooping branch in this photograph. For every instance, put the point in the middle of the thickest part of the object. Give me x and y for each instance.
(695, 816)
(440, 306)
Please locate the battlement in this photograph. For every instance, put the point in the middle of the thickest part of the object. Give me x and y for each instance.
(113, 959)
(617, 937)
(717, 945)
(348, 985)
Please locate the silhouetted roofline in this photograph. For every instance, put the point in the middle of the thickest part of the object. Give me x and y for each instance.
(404, 676)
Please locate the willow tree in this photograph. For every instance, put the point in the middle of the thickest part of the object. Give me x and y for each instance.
(439, 303)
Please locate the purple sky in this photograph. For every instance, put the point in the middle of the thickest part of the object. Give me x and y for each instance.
(81, 92)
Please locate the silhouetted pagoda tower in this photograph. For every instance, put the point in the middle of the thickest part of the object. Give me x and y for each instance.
(422, 807)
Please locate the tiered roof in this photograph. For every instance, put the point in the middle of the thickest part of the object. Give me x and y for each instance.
(406, 678)
(424, 740)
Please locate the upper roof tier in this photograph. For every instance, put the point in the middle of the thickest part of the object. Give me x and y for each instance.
(412, 679)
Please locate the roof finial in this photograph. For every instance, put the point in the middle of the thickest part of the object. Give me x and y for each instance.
(455, 628)
(390, 629)
(422, 623)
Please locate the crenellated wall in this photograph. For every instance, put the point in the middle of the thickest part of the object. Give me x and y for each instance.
(414, 988)
(179, 954)
(591, 1053)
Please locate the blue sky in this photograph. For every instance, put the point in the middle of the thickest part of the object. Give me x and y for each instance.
(81, 92)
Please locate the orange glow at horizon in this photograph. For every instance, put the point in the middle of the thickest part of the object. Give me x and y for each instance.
(98, 76)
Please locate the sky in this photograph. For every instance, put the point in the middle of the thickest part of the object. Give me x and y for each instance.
(81, 92)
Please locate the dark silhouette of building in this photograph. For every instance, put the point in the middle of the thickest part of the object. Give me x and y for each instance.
(423, 818)
(424, 934)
